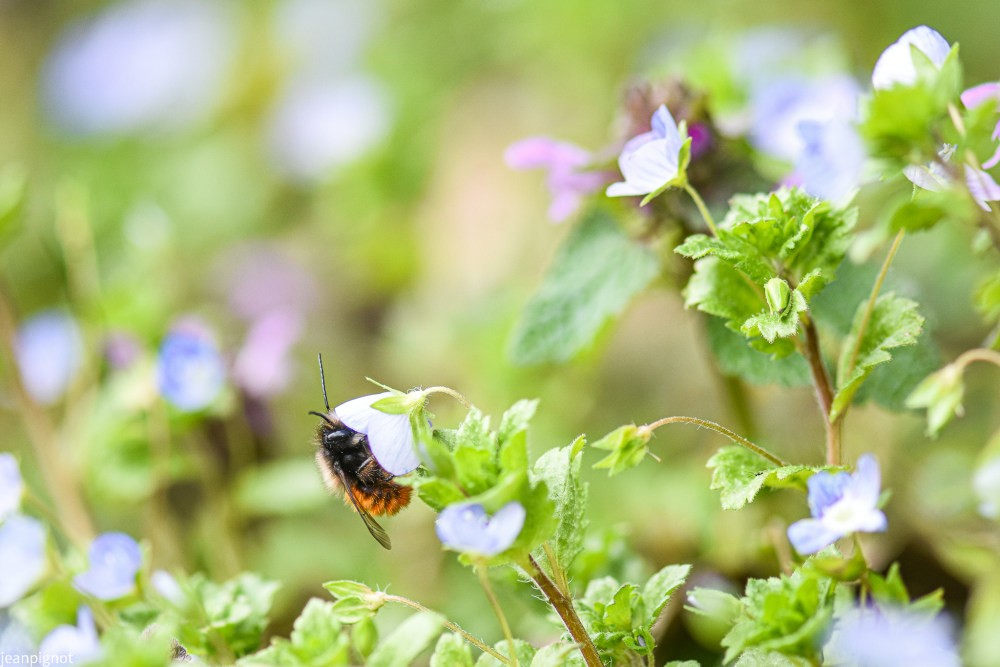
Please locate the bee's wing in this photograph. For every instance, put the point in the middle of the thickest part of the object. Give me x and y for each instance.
(377, 531)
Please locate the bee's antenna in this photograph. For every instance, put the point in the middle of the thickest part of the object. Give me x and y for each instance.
(322, 380)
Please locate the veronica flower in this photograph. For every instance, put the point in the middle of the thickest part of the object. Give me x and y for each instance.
(11, 485)
(935, 177)
(977, 95)
(831, 161)
(78, 642)
(49, 352)
(651, 161)
(22, 557)
(389, 435)
(467, 528)
(895, 65)
(190, 371)
(840, 504)
(115, 559)
(876, 637)
(564, 163)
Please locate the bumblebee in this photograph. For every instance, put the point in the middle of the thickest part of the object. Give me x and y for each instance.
(346, 462)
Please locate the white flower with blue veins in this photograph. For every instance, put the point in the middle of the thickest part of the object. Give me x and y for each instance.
(840, 504)
(650, 160)
(895, 66)
(390, 436)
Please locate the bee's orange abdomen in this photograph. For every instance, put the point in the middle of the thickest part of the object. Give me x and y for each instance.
(386, 498)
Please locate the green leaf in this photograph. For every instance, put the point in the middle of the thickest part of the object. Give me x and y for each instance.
(941, 393)
(558, 655)
(234, 611)
(594, 275)
(741, 474)
(525, 654)
(618, 614)
(451, 651)
(628, 445)
(987, 298)
(438, 493)
(515, 420)
(657, 590)
(894, 322)
(364, 636)
(560, 470)
(345, 588)
(407, 640)
(761, 658)
(316, 636)
(781, 324)
(737, 358)
(13, 187)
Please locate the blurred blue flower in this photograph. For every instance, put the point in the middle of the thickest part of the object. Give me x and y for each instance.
(11, 485)
(320, 124)
(467, 527)
(832, 158)
(650, 160)
(840, 504)
(259, 280)
(780, 106)
(564, 163)
(115, 559)
(140, 65)
(49, 354)
(890, 637)
(263, 365)
(15, 637)
(981, 94)
(166, 585)
(389, 436)
(986, 484)
(895, 65)
(190, 371)
(22, 557)
(78, 642)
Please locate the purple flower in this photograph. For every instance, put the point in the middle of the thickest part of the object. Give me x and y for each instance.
(468, 528)
(190, 372)
(49, 354)
(981, 94)
(260, 280)
(115, 559)
(22, 557)
(895, 65)
(840, 504)
(121, 349)
(780, 106)
(651, 161)
(138, 66)
(389, 435)
(831, 160)
(11, 485)
(78, 642)
(262, 365)
(567, 179)
(890, 637)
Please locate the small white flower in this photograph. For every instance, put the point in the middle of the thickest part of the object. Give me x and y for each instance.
(895, 65)
(389, 435)
(651, 160)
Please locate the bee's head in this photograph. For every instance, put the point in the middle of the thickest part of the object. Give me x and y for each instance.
(333, 436)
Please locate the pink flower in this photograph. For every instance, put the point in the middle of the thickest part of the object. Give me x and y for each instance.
(567, 180)
(981, 94)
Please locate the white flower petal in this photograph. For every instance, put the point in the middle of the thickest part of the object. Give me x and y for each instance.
(357, 412)
(391, 440)
(650, 166)
(895, 65)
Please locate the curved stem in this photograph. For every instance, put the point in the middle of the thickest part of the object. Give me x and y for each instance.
(484, 581)
(451, 392)
(735, 437)
(978, 354)
(478, 643)
(700, 203)
(564, 607)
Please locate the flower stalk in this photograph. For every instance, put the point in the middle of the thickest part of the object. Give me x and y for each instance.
(564, 607)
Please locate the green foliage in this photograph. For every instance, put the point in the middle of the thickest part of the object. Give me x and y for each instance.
(451, 651)
(941, 393)
(317, 640)
(628, 446)
(560, 470)
(407, 640)
(741, 474)
(596, 272)
(525, 654)
(736, 358)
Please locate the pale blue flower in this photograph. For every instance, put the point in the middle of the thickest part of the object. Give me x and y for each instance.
(468, 528)
(49, 354)
(77, 642)
(15, 637)
(832, 158)
(567, 177)
(895, 65)
(189, 369)
(139, 65)
(22, 557)
(981, 94)
(389, 435)
(115, 559)
(892, 637)
(650, 160)
(840, 504)
(11, 485)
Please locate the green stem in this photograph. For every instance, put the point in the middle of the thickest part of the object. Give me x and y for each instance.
(564, 607)
(700, 203)
(557, 572)
(449, 391)
(978, 354)
(735, 437)
(478, 643)
(484, 581)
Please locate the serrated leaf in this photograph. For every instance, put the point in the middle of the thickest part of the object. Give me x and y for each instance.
(773, 325)
(560, 470)
(618, 614)
(628, 445)
(407, 640)
(594, 275)
(316, 636)
(515, 420)
(525, 654)
(761, 658)
(737, 358)
(657, 590)
(438, 493)
(451, 651)
(741, 474)
(558, 655)
(894, 322)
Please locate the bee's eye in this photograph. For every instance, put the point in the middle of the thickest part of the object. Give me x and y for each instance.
(333, 436)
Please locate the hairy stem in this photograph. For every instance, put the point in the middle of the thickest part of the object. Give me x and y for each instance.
(735, 437)
(824, 390)
(557, 572)
(484, 581)
(700, 203)
(478, 643)
(451, 392)
(564, 607)
(978, 354)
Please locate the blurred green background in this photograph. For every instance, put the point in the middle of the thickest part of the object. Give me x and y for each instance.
(380, 210)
